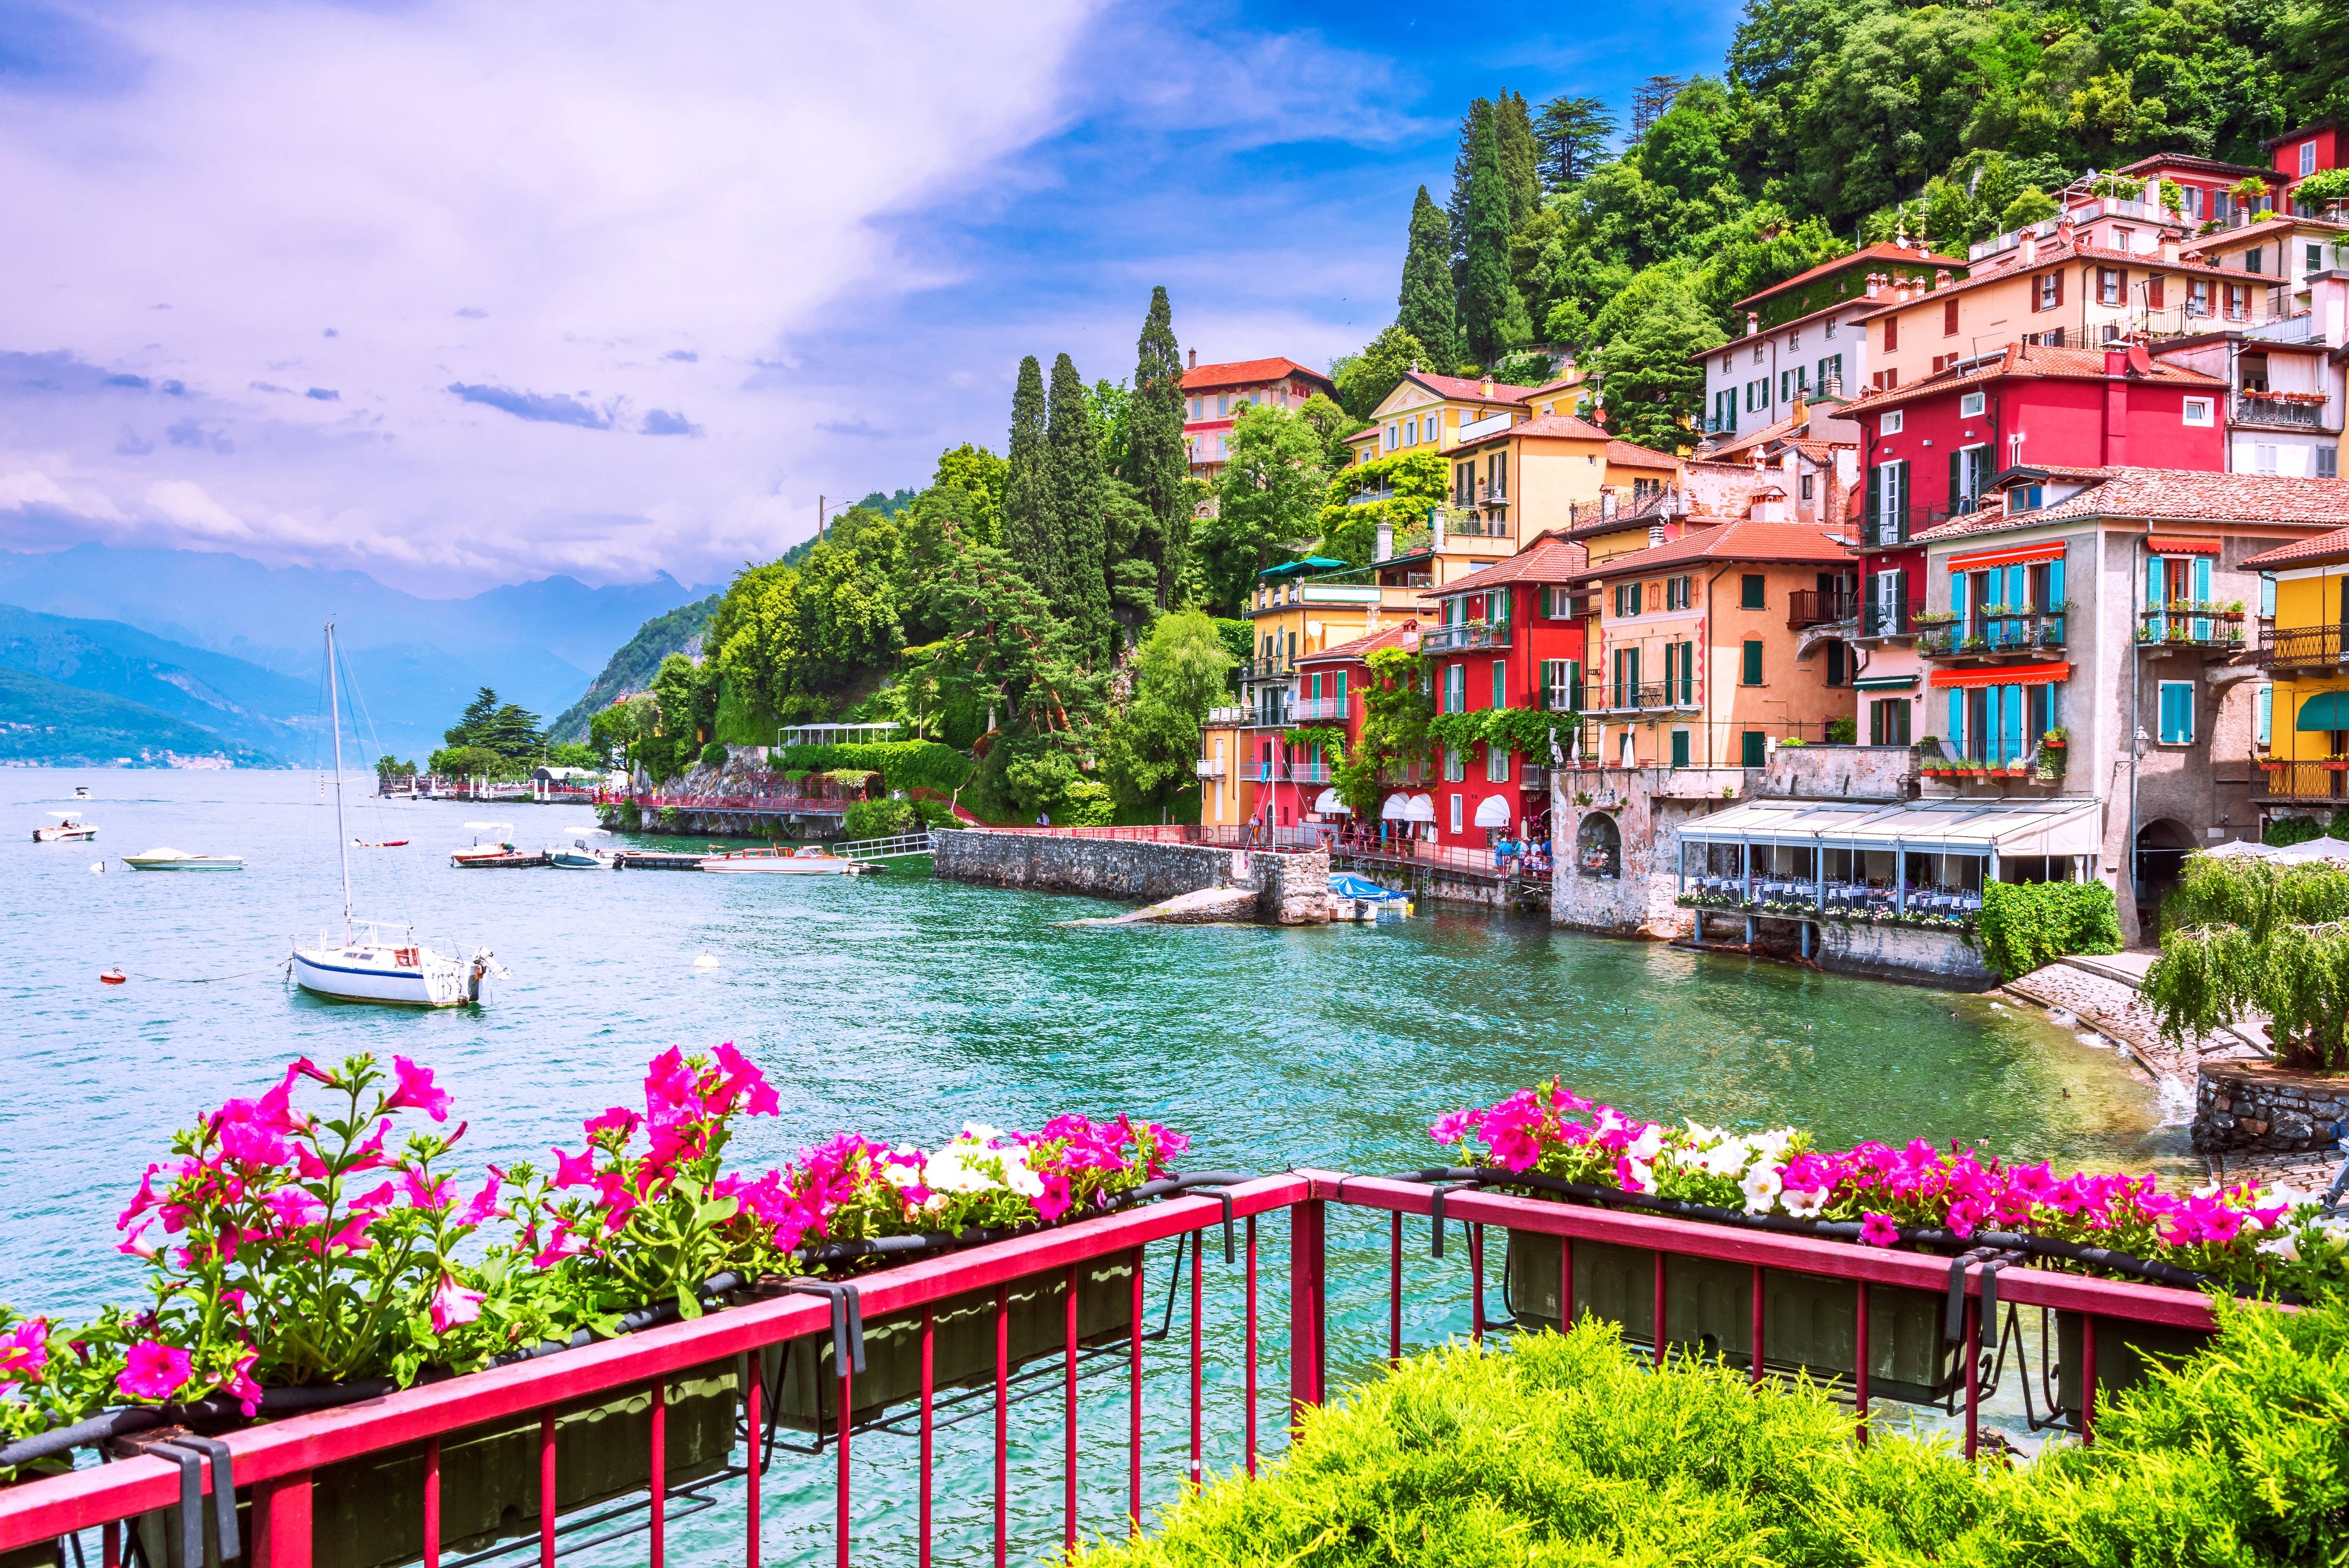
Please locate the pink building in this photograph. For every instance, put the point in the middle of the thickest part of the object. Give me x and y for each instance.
(1213, 395)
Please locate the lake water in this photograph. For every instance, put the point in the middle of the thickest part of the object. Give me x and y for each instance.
(901, 1007)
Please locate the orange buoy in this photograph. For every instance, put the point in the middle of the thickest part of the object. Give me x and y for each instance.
(112, 976)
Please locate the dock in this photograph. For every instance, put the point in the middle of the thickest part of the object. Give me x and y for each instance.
(662, 860)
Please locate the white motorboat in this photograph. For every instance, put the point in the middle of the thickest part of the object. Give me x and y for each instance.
(812, 860)
(81, 792)
(583, 856)
(168, 860)
(68, 825)
(382, 961)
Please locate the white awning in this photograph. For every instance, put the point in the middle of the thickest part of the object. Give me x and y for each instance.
(1397, 808)
(1328, 805)
(1419, 809)
(1491, 811)
(1932, 827)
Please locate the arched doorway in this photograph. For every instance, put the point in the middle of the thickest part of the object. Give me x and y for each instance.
(2161, 848)
(1598, 848)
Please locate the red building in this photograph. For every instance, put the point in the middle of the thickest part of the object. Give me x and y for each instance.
(1213, 395)
(2310, 150)
(1510, 635)
(1929, 451)
(1293, 784)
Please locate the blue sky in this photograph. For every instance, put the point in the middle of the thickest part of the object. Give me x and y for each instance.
(462, 294)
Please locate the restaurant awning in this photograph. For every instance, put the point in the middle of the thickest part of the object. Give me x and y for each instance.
(1952, 826)
(1419, 809)
(1493, 811)
(1397, 808)
(1885, 683)
(2326, 710)
(1328, 805)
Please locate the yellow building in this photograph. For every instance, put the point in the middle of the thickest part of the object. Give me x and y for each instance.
(1425, 411)
(2301, 723)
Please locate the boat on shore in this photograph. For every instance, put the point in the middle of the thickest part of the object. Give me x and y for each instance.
(169, 859)
(67, 827)
(811, 859)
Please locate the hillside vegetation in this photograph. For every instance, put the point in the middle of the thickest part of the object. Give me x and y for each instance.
(45, 722)
(634, 666)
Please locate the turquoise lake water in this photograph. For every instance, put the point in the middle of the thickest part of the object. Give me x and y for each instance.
(901, 1007)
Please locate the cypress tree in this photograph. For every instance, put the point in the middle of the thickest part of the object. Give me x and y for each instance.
(1463, 169)
(1028, 534)
(1074, 482)
(1486, 291)
(1513, 127)
(1427, 310)
(1156, 465)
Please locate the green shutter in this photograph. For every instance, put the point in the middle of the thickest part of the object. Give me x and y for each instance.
(1754, 596)
(1957, 479)
(1752, 749)
(1680, 748)
(1752, 675)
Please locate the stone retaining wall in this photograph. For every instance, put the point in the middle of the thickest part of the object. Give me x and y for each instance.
(2252, 1105)
(1291, 889)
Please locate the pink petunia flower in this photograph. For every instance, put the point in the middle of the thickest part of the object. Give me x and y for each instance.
(24, 1351)
(452, 1305)
(484, 1202)
(1877, 1230)
(154, 1370)
(573, 1170)
(241, 1387)
(416, 1090)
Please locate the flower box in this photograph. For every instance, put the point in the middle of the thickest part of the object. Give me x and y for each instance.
(1808, 1324)
(369, 1513)
(2125, 1353)
(803, 1379)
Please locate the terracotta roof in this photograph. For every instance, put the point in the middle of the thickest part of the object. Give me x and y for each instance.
(1546, 427)
(1883, 251)
(2188, 160)
(1550, 558)
(1251, 373)
(1361, 648)
(1741, 540)
(1460, 386)
(2029, 361)
(2050, 253)
(2323, 547)
(1631, 455)
(2284, 221)
(1563, 383)
(2173, 495)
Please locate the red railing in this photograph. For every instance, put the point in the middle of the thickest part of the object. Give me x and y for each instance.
(277, 1463)
(832, 805)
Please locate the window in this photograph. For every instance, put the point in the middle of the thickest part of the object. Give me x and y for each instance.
(1892, 423)
(1561, 686)
(1223, 405)
(2124, 240)
(1496, 764)
(1757, 351)
(2178, 713)
(2307, 159)
(1793, 382)
(2154, 292)
(1968, 473)
(1678, 592)
(1750, 669)
(1972, 405)
(1948, 318)
(1757, 394)
(1830, 368)
(1726, 361)
(2199, 411)
(2267, 596)
(1724, 410)
(1456, 814)
(2023, 499)
(2314, 259)
(1751, 752)
(1410, 432)
(2198, 296)
(1794, 341)
(1500, 684)
(1888, 721)
(1455, 765)
(2253, 258)
(2328, 465)
(1835, 665)
(1809, 481)
(1891, 333)
(1393, 436)
(2050, 293)
(2266, 457)
(1455, 688)
(1750, 596)
(1627, 677)
(1680, 748)
(2239, 301)
(2263, 715)
(1831, 326)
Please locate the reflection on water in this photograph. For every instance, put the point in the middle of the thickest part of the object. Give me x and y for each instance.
(902, 1006)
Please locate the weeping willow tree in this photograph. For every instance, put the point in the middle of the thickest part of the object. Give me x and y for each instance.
(2248, 937)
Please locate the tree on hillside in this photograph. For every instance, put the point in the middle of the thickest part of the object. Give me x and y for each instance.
(1489, 306)
(1365, 379)
(1157, 464)
(753, 640)
(1426, 307)
(1112, 408)
(1267, 501)
(1654, 390)
(1149, 745)
(1463, 176)
(1513, 135)
(980, 475)
(1028, 517)
(474, 719)
(504, 728)
(1075, 483)
(1653, 97)
(1332, 425)
(1572, 132)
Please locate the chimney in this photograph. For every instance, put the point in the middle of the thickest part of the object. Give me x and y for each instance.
(1195, 359)
(2115, 362)
(1435, 528)
(1606, 502)
(1801, 413)
(1655, 534)
(2031, 246)
(1875, 283)
(1385, 550)
(1488, 383)
(2168, 249)
(1753, 323)
(1940, 277)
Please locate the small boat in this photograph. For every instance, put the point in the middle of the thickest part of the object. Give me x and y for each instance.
(81, 792)
(499, 857)
(582, 857)
(811, 859)
(112, 978)
(68, 825)
(169, 860)
(478, 851)
(378, 843)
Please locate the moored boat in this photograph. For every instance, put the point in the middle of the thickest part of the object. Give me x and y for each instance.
(169, 860)
(581, 857)
(68, 826)
(811, 859)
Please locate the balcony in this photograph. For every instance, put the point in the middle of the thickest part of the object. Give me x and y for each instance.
(2313, 782)
(2281, 410)
(1878, 619)
(1534, 779)
(1208, 768)
(1307, 709)
(1459, 634)
(1465, 522)
(2299, 328)
(1819, 607)
(1996, 633)
(1229, 716)
(1650, 695)
(1308, 772)
(1370, 497)
(2318, 648)
(1477, 429)
(1717, 424)
(2191, 627)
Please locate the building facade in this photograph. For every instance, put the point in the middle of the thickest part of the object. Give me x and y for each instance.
(1213, 395)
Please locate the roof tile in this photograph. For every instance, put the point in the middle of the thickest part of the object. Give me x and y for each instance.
(1249, 373)
(1548, 559)
(1742, 541)
(2173, 495)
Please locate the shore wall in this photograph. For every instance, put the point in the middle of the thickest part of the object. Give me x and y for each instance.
(2254, 1108)
(1851, 947)
(1290, 888)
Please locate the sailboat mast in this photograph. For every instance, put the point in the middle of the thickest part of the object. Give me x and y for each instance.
(342, 838)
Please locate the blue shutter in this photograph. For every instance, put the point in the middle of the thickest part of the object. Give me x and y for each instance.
(2011, 724)
(2263, 723)
(2202, 595)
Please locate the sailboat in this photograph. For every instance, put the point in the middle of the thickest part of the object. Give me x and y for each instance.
(377, 960)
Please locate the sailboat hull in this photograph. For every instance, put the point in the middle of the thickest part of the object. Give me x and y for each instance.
(370, 975)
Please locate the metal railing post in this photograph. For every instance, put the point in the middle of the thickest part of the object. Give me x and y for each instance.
(1308, 1221)
(281, 1522)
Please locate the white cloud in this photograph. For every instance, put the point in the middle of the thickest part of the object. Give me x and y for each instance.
(546, 199)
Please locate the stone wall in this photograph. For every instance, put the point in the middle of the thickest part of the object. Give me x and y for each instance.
(1647, 815)
(1296, 888)
(1102, 868)
(1841, 773)
(2253, 1106)
(1901, 951)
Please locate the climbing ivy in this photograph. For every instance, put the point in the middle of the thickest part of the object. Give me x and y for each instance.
(2027, 926)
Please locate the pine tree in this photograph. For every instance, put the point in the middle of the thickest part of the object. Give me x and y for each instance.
(1486, 291)
(1654, 97)
(1572, 134)
(1157, 464)
(1028, 536)
(1513, 127)
(1427, 310)
(1074, 481)
(1463, 168)
(474, 722)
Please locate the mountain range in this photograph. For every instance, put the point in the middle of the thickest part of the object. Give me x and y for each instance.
(413, 662)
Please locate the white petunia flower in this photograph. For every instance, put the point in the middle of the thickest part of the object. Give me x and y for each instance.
(1762, 1186)
(1648, 1144)
(1804, 1204)
(1640, 1177)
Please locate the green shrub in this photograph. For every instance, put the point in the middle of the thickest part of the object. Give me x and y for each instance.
(877, 820)
(714, 754)
(1842, 732)
(1087, 806)
(2286, 831)
(2027, 926)
(902, 764)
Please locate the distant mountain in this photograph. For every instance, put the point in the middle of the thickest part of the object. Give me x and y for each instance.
(44, 721)
(240, 703)
(634, 666)
(414, 661)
